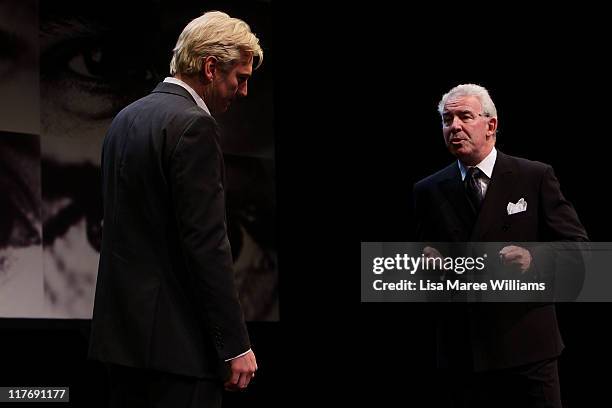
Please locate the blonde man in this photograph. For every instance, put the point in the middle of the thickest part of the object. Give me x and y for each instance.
(167, 319)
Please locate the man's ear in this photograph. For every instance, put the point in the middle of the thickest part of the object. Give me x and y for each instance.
(492, 126)
(209, 68)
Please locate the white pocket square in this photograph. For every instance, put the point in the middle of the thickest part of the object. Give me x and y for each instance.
(520, 206)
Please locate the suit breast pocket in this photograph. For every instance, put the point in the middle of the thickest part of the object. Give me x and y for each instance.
(519, 219)
(519, 216)
(520, 227)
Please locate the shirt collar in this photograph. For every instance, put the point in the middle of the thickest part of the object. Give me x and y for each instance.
(198, 100)
(486, 166)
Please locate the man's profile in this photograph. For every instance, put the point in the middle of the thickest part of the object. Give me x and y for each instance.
(167, 320)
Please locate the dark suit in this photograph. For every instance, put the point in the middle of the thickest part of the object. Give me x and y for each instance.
(492, 336)
(165, 297)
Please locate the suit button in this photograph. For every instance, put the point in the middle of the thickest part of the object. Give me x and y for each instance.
(505, 228)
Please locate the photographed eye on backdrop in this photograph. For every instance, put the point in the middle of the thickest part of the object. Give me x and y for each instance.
(19, 201)
(93, 75)
(99, 64)
(17, 227)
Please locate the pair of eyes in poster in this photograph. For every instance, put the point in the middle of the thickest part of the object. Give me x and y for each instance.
(66, 69)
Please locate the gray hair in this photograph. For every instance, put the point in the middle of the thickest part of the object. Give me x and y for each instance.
(478, 91)
(214, 34)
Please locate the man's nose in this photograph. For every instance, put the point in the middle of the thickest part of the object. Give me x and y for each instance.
(456, 124)
(242, 89)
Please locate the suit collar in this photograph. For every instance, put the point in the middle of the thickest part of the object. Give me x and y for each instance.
(166, 87)
(486, 165)
(197, 98)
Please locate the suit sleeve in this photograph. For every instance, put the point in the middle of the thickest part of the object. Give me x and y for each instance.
(559, 263)
(560, 219)
(196, 179)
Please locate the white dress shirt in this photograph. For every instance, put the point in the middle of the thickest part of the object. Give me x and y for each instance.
(486, 166)
(198, 100)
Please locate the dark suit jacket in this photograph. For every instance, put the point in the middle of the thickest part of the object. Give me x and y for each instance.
(165, 297)
(486, 336)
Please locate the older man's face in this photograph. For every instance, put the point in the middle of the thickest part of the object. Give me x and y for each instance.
(468, 133)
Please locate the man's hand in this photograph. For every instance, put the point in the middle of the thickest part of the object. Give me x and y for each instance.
(242, 370)
(515, 255)
(430, 252)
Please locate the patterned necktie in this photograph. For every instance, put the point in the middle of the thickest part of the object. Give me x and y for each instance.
(472, 185)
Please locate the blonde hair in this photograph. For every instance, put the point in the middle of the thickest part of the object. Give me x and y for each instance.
(214, 34)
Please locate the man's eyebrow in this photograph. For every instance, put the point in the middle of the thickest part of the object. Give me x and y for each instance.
(68, 28)
(447, 112)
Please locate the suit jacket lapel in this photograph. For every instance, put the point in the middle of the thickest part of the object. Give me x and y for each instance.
(454, 191)
(498, 194)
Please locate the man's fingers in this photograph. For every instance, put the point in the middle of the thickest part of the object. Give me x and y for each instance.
(430, 252)
(245, 379)
(239, 379)
(514, 251)
(510, 253)
(234, 378)
(242, 370)
(512, 256)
